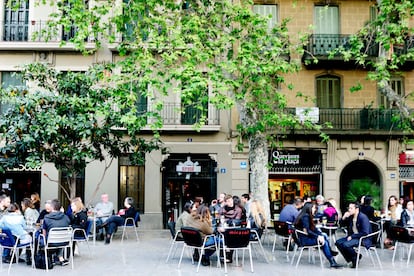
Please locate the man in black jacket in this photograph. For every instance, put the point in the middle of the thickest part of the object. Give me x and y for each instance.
(358, 226)
(56, 218)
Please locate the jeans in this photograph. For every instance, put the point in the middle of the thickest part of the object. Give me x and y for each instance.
(210, 241)
(112, 224)
(326, 249)
(347, 248)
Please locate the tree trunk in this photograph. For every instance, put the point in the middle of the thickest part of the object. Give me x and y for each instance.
(258, 157)
(72, 186)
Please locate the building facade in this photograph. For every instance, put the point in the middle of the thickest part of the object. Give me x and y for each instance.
(365, 142)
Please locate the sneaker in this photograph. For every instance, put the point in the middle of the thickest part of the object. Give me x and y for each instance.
(64, 262)
(107, 240)
(205, 261)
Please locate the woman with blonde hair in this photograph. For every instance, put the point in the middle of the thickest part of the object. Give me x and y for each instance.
(79, 216)
(257, 218)
(35, 198)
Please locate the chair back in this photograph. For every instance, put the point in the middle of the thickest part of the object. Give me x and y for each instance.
(401, 234)
(237, 238)
(281, 228)
(375, 228)
(59, 235)
(6, 238)
(192, 236)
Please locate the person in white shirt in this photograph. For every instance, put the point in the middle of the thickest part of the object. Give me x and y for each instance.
(103, 210)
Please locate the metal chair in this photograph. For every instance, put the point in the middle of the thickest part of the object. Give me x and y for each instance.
(402, 237)
(256, 239)
(82, 235)
(237, 239)
(283, 231)
(7, 240)
(298, 246)
(177, 238)
(58, 237)
(192, 239)
(131, 223)
(374, 236)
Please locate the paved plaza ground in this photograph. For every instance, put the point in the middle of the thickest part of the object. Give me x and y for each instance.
(147, 257)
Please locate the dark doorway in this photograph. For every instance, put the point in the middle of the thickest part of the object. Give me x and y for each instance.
(20, 184)
(359, 169)
(179, 187)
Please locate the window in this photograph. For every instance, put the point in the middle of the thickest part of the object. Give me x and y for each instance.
(16, 21)
(131, 183)
(373, 13)
(194, 101)
(69, 32)
(328, 92)
(141, 100)
(80, 187)
(326, 20)
(266, 11)
(9, 80)
(397, 84)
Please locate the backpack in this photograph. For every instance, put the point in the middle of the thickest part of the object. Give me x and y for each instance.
(40, 261)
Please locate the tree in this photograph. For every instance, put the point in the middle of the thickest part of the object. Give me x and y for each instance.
(68, 119)
(390, 34)
(209, 51)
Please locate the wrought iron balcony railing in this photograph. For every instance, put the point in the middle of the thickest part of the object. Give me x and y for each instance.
(324, 44)
(35, 31)
(373, 119)
(173, 114)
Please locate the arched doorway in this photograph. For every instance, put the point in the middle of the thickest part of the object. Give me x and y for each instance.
(360, 171)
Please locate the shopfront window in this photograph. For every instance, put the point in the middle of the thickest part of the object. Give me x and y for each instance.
(293, 174)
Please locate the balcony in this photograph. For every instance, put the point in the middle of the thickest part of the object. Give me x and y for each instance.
(178, 119)
(357, 120)
(321, 45)
(174, 118)
(25, 36)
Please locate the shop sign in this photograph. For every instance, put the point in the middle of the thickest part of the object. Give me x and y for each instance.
(188, 166)
(407, 158)
(295, 157)
(285, 159)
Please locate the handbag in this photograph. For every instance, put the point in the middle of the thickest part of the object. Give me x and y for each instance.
(40, 261)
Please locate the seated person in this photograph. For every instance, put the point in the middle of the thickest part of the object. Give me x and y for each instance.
(305, 223)
(183, 218)
(201, 220)
(103, 210)
(114, 221)
(14, 221)
(232, 213)
(407, 215)
(358, 226)
(56, 218)
(330, 212)
(256, 220)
